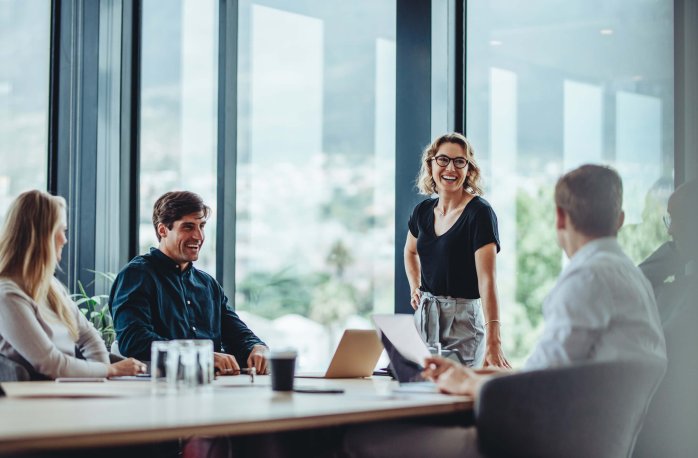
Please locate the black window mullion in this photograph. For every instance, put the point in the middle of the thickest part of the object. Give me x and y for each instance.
(459, 63)
(54, 90)
(73, 130)
(227, 144)
(130, 126)
(412, 123)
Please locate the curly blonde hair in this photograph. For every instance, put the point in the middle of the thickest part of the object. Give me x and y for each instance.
(425, 182)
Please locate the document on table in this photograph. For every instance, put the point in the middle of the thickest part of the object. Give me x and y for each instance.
(402, 333)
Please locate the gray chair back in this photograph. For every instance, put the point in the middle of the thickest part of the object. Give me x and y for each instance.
(586, 410)
(670, 427)
(11, 371)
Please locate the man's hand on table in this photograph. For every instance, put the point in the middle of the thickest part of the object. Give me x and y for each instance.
(225, 364)
(259, 359)
(454, 378)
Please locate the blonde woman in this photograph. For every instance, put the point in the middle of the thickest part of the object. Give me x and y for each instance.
(450, 254)
(40, 326)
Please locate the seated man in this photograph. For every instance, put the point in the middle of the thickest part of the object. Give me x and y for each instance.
(601, 309)
(666, 268)
(162, 296)
(669, 429)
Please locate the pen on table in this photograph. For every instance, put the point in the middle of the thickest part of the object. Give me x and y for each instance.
(249, 370)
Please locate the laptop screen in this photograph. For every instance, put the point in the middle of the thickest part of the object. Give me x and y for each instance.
(404, 346)
(404, 370)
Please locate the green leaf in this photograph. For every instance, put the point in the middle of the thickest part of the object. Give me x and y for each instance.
(82, 290)
(109, 276)
(83, 301)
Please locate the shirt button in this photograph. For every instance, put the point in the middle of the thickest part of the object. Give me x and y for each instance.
(193, 328)
(188, 302)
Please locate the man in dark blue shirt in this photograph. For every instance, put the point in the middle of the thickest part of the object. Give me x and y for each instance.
(162, 296)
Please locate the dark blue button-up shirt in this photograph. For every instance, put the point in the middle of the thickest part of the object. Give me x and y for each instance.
(152, 300)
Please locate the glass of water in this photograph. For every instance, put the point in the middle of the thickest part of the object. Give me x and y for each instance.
(181, 365)
(164, 366)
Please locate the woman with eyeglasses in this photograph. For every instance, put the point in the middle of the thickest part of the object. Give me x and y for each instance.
(450, 256)
(40, 326)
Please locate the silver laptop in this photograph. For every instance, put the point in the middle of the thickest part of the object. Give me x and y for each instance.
(356, 356)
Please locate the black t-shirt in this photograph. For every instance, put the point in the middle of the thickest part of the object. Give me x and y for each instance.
(448, 262)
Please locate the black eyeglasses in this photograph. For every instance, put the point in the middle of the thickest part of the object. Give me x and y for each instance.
(667, 220)
(443, 161)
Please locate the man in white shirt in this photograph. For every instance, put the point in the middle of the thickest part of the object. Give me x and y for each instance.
(602, 308)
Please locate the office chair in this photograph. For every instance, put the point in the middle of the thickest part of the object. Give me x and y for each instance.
(114, 349)
(670, 426)
(11, 371)
(114, 355)
(593, 409)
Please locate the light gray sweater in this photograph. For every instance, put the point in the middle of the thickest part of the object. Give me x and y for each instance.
(32, 333)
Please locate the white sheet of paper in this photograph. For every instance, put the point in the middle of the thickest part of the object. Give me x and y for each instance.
(402, 333)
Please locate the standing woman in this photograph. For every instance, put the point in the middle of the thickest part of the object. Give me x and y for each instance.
(40, 326)
(450, 254)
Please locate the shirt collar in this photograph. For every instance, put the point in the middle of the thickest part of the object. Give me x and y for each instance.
(166, 262)
(594, 246)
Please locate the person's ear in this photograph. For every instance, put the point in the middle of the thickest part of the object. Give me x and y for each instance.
(560, 218)
(162, 230)
(621, 220)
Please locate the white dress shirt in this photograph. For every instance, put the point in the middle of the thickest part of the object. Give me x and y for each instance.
(602, 308)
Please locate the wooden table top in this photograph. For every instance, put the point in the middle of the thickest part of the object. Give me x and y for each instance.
(50, 415)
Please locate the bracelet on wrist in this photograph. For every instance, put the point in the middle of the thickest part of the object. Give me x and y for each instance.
(493, 321)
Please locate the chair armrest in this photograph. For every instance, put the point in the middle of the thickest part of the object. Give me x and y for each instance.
(113, 358)
(12, 371)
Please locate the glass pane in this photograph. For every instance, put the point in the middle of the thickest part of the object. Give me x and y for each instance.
(179, 110)
(552, 85)
(25, 27)
(316, 173)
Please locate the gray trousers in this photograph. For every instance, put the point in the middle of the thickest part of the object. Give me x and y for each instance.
(456, 324)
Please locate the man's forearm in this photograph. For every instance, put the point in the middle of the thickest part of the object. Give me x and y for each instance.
(242, 349)
(136, 343)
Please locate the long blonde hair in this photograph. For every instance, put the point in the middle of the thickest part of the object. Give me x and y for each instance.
(425, 182)
(28, 251)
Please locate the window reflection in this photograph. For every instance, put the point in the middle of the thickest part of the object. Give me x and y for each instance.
(179, 110)
(315, 176)
(24, 82)
(551, 86)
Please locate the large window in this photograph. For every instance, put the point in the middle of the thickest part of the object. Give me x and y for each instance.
(550, 86)
(316, 173)
(179, 110)
(24, 83)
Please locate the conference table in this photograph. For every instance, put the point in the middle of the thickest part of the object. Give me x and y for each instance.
(47, 415)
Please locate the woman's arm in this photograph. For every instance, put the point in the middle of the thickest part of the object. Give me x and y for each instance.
(21, 329)
(412, 269)
(485, 264)
(89, 341)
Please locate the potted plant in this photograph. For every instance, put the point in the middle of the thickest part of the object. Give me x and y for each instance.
(96, 308)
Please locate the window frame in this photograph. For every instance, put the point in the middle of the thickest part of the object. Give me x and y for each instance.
(73, 122)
